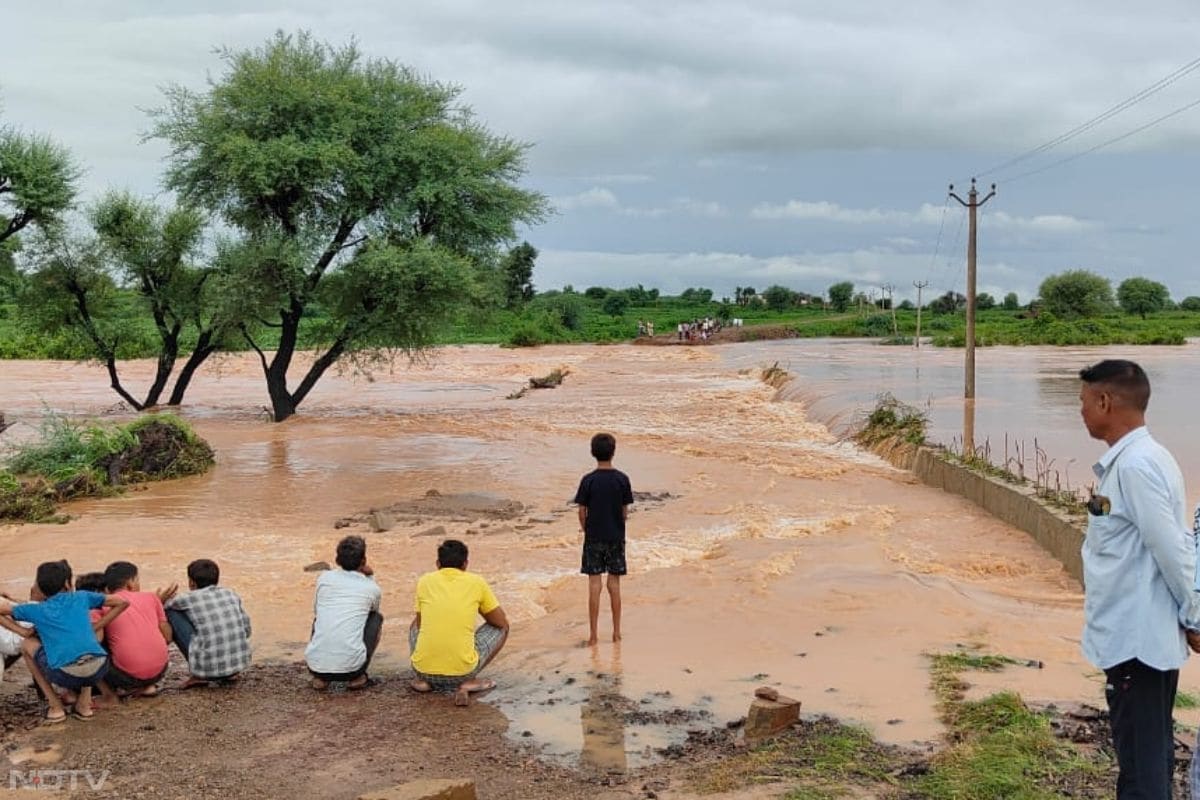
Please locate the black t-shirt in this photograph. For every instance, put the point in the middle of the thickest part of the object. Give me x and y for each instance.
(605, 492)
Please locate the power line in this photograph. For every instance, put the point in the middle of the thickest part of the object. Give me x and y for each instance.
(1102, 145)
(1078, 130)
(937, 246)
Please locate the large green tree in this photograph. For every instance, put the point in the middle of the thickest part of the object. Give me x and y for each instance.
(841, 295)
(1142, 296)
(37, 181)
(779, 298)
(1076, 293)
(356, 185)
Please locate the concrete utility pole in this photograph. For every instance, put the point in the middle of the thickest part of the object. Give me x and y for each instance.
(920, 285)
(972, 204)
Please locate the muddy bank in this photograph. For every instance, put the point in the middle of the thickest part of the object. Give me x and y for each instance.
(727, 335)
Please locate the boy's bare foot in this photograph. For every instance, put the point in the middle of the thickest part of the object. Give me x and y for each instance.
(361, 682)
(148, 691)
(319, 684)
(592, 642)
(419, 685)
(192, 682)
(617, 637)
(106, 702)
(462, 697)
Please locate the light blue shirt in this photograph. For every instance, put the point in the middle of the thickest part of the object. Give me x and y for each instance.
(1139, 560)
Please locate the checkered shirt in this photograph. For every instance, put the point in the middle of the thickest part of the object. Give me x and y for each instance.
(221, 646)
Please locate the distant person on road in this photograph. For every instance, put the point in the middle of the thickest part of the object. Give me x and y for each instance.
(210, 626)
(1139, 564)
(603, 497)
(448, 651)
(347, 624)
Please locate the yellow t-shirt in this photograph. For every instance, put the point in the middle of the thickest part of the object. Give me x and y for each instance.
(449, 601)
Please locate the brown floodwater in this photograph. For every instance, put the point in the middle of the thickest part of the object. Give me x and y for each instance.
(781, 556)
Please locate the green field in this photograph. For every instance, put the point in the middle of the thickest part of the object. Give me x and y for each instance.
(558, 318)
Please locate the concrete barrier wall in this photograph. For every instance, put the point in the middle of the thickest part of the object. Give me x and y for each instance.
(1017, 505)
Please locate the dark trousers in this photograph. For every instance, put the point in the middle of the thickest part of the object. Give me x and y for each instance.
(1140, 702)
(182, 630)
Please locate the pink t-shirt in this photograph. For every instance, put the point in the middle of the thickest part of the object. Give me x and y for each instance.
(134, 638)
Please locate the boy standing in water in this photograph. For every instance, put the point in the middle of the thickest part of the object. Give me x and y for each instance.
(604, 497)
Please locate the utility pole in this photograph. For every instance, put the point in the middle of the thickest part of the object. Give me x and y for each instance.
(972, 204)
(920, 285)
(891, 293)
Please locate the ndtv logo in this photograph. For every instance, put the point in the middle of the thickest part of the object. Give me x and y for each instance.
(56, 780)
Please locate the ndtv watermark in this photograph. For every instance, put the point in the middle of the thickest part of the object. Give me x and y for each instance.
(57, 780)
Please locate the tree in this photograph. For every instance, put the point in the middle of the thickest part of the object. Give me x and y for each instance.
(840, 295)
(1011, 302)
(1142, 296)
(37, 182)
(779, 298)
(1190, 303)
(137, 246)
(984, 301)
(906, 305)
(744, 295)
(948, 303)
(1077, 293)
(596, 292)
(354, 185)
(517, 268)
(615, 304)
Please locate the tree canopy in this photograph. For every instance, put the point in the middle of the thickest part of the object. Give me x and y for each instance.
(1077, 293)
(840, 295)
(1142, 296)
(353, 185)
(37, 181)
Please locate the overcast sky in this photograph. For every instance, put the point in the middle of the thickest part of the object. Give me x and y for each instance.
(691, 143)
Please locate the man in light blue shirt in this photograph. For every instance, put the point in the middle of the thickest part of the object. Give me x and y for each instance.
(1139, 565)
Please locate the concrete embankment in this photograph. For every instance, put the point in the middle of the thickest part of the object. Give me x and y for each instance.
(1016, 504)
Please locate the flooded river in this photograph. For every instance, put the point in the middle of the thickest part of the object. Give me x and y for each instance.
(772, 553)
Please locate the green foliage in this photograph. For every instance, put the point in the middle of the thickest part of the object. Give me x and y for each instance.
(615, 304)
(697, 295)
(840, 295)
(517, 269)
(984, 301)
(893, 421)
(326, 163)
(567, 310)
(1142, 296)
(1011, 302)
(1190, 304)
(596, 292)
(779, 298)
(38, 181)
(1077, 293)
(949, 303)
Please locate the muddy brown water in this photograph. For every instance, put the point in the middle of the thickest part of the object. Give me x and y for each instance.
(782, 556)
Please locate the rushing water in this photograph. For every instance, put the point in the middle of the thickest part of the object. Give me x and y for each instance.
(1027, 397)
(779, 554)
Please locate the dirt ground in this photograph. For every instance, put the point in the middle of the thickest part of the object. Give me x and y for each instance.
(271, 736)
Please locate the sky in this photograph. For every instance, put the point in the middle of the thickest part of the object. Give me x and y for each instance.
(723, 144)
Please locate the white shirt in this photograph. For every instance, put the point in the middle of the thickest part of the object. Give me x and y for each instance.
(1139, 560)
(343, 601)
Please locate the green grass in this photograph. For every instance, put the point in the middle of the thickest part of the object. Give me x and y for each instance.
(70, 460)
(1187, 700)
(996, 748)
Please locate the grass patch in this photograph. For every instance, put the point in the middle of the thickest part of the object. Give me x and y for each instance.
(1187, 700)
(70, 460)
(892, 423)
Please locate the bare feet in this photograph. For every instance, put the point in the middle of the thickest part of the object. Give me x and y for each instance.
(106, 702)
(319, 684)
(419, 685)
(593, 641)
(616, 636)
(462, 697)
(361, 682)
(192, 682)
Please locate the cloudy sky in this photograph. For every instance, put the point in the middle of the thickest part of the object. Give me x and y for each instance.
(693, 143)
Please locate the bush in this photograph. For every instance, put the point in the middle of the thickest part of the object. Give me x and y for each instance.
(1190, 304)
(1077, 293)
(1142, 296)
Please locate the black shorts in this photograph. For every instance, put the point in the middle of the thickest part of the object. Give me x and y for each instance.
(602, 557)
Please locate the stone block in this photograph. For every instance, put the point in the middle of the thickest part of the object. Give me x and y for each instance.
(426, 789)
(381, 521)
(769, 717)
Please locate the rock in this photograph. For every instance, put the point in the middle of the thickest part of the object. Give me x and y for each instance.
(433, 493)
(317, 566)
(544, 520)
(344, 522)
(381, 521)
(426, 789)
(769, 717)
(436, 530)
(766, 693)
